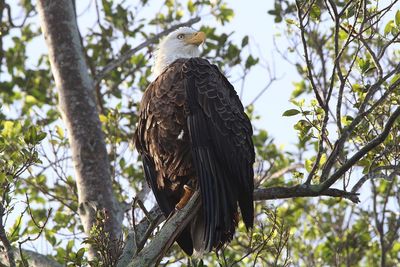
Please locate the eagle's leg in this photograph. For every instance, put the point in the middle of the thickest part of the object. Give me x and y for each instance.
(187, 194)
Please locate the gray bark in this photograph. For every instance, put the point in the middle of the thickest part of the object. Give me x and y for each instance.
(80, 115)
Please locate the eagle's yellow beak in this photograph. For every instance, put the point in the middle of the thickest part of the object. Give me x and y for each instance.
(196, 38)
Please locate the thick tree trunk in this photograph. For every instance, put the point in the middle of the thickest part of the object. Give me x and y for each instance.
(79, 112)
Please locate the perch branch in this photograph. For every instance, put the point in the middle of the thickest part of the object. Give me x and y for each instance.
(281, 192)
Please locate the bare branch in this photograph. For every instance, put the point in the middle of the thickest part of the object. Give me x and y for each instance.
(280, 192)
(8, 253)
(259, 180)
(3, 235)
(40, 228)
(10, 19)
(310, 75)
(376, 173)
(341, 89)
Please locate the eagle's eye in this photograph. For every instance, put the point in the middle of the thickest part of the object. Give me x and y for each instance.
(180, 36)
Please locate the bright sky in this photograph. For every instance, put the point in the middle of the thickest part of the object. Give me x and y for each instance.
(251, 18)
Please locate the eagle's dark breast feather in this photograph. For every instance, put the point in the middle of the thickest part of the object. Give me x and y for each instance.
(192, 129)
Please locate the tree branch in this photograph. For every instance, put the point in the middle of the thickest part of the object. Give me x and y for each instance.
(120, 60)
(153, 219)
(309, 64)
(377, 173)
(8, 254)
(280, 192)
(3, 235)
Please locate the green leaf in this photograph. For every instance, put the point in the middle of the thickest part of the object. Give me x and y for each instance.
(3, 177)
(79, 254)
(30, 99)
(179, 14)
(322, 159)
(15, 230)
(7, 127)
(343, 35)
(50, 238)
(290, 112)
(308, 165)
(364, 64)
(299, 88)
(107, 7)
(245, 41)
(60, 132)
(358, 88)
(395, 79)
(70, 245)
(191, 7)
(41, 136)
(226, 14)
(103, 118)
(315, 12)
(251, 61)
(291, 21)
(388, 28)
(346, 120)
(30, 135)
(397, 18)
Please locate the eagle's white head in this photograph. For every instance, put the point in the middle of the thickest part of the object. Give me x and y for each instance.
(181, 43)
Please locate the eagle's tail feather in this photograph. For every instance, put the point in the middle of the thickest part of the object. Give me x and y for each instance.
(184, 240)
(197, 232)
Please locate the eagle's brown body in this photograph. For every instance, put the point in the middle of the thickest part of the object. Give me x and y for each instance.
(192, 130)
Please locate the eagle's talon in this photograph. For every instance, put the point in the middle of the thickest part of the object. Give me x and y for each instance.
(187, 194)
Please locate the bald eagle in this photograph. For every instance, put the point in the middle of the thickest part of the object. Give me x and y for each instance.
(192, 133)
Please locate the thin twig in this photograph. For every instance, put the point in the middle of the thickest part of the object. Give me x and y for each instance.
(376, 173)
(5, 241)
(310, 75)
(277, 174)
(40, 227)
(263, 90)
